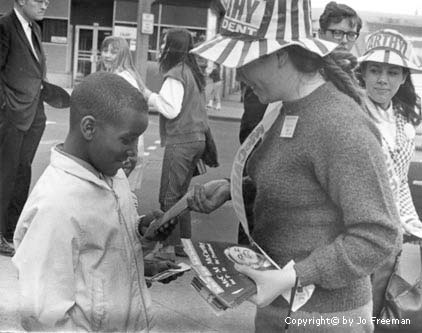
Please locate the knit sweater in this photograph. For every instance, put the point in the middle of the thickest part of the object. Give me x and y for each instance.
(323, 199)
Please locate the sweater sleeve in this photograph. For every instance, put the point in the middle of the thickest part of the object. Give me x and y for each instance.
(353, 173)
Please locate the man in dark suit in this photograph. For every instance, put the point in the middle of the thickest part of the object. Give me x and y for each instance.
(22, 117)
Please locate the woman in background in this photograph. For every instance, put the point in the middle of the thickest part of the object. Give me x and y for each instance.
(116, 58)
(394, 107)
(183, 123)
(216, 88)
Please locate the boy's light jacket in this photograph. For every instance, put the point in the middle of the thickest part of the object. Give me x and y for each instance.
(79, 259)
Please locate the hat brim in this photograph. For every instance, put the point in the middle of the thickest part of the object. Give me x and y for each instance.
(234, 53)
(392, 58)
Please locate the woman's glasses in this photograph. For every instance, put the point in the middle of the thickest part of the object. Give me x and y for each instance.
(339, 34)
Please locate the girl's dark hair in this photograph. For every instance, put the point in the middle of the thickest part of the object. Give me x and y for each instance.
(336, 67)
(406, 101)
(176, 50)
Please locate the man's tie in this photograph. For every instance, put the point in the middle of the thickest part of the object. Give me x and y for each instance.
(35, 43)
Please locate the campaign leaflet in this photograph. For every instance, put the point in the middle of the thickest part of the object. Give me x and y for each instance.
(213, 263)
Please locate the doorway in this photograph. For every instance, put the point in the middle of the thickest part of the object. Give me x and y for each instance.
(87, 51)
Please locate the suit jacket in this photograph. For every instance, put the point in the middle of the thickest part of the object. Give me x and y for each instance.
(21, 74)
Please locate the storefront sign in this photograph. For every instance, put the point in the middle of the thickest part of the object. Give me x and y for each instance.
(59, 39)
(147, 23)
(125, 32)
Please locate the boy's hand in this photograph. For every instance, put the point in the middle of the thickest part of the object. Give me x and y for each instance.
(153, 234)
(146, 220)
(153, 267)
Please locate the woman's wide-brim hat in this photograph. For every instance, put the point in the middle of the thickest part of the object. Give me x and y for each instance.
(251, 29)
(391, 47)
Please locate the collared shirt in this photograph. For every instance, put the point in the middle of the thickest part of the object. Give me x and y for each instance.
(83, 163)
(28, 31)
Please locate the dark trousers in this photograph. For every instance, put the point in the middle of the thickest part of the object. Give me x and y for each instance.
(179, 163)
(17, 151)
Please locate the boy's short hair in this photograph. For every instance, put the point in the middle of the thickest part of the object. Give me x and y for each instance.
(335, 13)
(104, 96)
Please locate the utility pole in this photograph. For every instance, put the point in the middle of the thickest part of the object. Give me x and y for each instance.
(142, 39)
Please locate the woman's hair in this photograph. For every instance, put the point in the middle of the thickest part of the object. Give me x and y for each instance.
(124, 61)
(406, 101)
(336, 67)
(176, 50)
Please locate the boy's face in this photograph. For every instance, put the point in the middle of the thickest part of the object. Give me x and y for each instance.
(113, 143)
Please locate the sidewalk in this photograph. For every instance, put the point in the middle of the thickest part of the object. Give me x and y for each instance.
(231, 109)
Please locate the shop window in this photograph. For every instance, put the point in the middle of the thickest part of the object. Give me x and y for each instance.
(180, 15)
(54, 31)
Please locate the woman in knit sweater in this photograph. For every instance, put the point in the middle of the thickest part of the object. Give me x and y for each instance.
(323, 196)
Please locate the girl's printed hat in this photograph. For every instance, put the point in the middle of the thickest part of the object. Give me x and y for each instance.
(391, 47)
(254, 28)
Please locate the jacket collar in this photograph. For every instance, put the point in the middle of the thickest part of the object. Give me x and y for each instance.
(19, 23)
(81, 169)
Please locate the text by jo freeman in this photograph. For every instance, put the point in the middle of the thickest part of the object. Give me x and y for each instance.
(343, 321)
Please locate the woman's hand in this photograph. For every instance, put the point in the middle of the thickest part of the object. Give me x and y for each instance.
(412, 229)
(270, 283)
(208, 197)
(144, 89)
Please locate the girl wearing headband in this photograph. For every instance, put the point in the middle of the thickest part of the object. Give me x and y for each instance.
(323, 197)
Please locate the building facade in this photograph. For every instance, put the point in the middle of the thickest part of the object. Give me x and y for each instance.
(73, 31)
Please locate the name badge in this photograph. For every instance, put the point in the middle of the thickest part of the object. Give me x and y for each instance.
(289, 126)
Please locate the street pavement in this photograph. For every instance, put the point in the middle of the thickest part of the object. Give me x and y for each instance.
(177, 306)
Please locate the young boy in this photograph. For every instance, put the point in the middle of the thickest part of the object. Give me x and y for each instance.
(78, 249)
